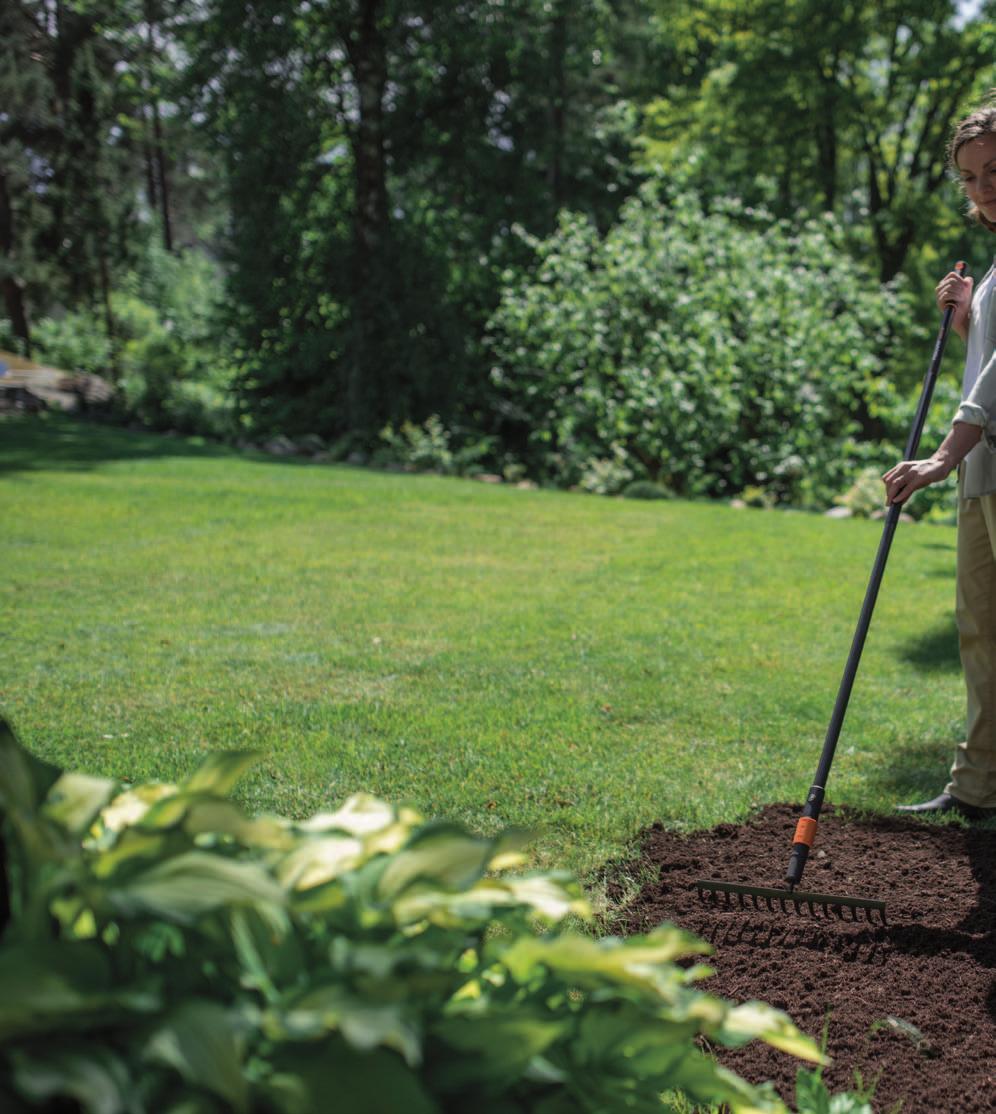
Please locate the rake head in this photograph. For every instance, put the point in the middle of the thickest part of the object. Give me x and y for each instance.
(731, 894)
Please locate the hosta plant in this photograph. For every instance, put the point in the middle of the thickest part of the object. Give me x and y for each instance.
(163, 952)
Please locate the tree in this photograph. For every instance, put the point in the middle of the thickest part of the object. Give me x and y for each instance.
(847, 106)
(399, 143)
(25, 124)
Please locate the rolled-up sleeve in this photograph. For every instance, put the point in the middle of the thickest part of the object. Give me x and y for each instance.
(979, 406)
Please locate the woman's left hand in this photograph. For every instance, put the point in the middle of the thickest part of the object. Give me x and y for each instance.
(910, 475)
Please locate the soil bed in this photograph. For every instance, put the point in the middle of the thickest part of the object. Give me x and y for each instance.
(932, 966)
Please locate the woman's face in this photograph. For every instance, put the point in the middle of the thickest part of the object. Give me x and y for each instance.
(976, 161)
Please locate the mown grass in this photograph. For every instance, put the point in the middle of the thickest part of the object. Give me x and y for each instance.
(585, 666)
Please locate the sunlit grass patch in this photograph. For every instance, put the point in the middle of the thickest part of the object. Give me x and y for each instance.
(582, 665)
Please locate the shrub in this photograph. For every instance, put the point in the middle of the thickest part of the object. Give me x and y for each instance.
(606, 475)
(422, 447)
(866, 495)
(172, 366)
(715, 349)
(645, 489)
(74, 342)
(431, 446)
(165, 952)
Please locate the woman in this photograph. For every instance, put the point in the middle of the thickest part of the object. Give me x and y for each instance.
(970, 446)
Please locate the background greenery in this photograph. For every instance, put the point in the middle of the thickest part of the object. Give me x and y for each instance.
(338, 217)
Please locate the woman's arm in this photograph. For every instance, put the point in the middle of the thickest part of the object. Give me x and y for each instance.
(909, 476)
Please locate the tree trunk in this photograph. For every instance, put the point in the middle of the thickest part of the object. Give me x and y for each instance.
(558, 106)
(893, 250)
(105, 297)
(367, 52)
(159, 174)
(13, 291)
(151, 189)
(826, 145)
(162, 176)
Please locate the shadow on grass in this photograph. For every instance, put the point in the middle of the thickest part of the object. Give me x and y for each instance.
(915, 770)
(934, 651)
(50, 441)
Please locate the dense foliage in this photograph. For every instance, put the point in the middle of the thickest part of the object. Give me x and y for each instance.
(708, 350)
(164, 952)
(357, 167)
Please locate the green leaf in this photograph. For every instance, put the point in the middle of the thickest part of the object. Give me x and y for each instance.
(193, 1104)
(24, 779)
(361, 815)
(93, 1075)
(220, 772)
(24, 782)
(267, 949)
(547, 897)
(47, 986)
(132, 846)
(318, 860)
(189, 885)
(703, 1080)
(310, 1079)
(365, 1023)
(75, 800)
(129, 807)
(442, 853)
(811, 1094)
(495, 1047)
(207, 815)
(197, 1039)
(622, 1032)
(645, 962)
(756, 1020)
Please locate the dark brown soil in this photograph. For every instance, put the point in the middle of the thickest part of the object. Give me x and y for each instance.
(932, 966)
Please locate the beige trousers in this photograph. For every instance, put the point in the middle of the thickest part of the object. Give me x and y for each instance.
(973, 775)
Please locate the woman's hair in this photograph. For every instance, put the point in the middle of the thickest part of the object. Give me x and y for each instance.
(975, 125)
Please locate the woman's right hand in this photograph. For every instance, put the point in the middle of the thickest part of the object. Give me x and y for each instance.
(957, 291)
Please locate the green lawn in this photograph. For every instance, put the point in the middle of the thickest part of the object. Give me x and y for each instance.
(583, 665)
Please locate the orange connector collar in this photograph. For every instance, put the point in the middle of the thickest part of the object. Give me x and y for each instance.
(805, 831)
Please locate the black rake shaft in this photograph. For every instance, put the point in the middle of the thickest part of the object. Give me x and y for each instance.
(806, 829)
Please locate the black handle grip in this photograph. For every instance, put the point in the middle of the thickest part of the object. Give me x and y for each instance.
(797, 864)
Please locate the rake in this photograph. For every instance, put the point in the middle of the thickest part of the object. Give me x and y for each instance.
(844, 907)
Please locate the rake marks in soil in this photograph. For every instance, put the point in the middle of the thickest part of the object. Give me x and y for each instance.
(931, 970)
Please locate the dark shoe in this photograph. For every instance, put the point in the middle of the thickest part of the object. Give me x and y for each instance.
(946, 803)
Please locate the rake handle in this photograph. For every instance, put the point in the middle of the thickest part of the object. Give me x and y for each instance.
(805, 831)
